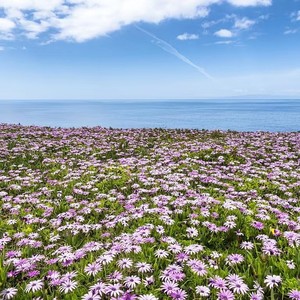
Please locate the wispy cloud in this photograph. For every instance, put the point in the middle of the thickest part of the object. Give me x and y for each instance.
(295, 16)
(250, 2)
(187, 36)
(224, 42)
(291, 31)
(243, 23)
(170, 49)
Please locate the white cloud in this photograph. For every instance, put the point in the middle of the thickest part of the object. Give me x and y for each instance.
(250, 2)
(295, 16)
(81, 20)
(31, 4)
(290, 31)
(243, 23)
(6, 25)
(224, 42)
(188, 36)
(224, 33)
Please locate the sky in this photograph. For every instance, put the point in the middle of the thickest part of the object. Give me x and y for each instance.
(149, 49)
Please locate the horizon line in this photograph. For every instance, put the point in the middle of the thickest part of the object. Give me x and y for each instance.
(159, 99)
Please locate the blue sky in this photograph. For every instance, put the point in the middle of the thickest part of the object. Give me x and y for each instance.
(160, 49)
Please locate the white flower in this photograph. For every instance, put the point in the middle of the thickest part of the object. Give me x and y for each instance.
(147, 297)
(203, 291)
(34, 286)
(272, 281)
(68, 286)
(8, 293)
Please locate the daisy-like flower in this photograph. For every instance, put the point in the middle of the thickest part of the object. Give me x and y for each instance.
(8, 293)
(168, 287)
(68, 286)
(218, 282)
(225, 295)
(147, 297)
(124, 263)
(99, 287)
(92, 269)
(181, 257)
(143, 267)
(127, 296)
(233, 278)
(91, 296)
(175, 248)
(69, 276)
(178, 294)
(193, 249)
(132, 281)
(33, 273)
(115, 276)
(247, 245)
(161, 253)
(239, 287)
(215, 254)
(160, 229)
(105, 259)
(237, 284)
(114, 290)
(191, 232)
(259, 289)
(202, 291)
(256, 296)
(176, 276)
(230, 224)
(53, 274)
(198, 267)
(294, 295)
(34, 286)
(234, 259)
(148, 281)
(269, 248)
(272, 281)
(257, 225)
(290, 264)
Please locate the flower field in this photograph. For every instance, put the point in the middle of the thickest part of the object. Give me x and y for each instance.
(95, 213)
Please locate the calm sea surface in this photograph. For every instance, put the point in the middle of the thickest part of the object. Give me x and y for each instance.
(241, 115)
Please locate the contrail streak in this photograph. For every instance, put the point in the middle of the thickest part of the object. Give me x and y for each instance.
(170, 49)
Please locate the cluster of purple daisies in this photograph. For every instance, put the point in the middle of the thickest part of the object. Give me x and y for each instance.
(147, 214)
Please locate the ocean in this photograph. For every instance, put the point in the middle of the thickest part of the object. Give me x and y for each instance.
(239, 115)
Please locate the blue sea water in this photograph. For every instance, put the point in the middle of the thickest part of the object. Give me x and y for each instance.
(240, 115)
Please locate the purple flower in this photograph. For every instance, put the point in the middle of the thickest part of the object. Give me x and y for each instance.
(132, 281)
(234, 259)
(218, 283)
(178, 294)
(225, 295)
(294, 295)
(169, 287)
(114, 290)
(68, 286)
(257, 225)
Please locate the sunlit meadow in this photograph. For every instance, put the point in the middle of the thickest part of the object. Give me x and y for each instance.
(95, 213)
